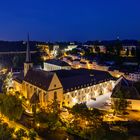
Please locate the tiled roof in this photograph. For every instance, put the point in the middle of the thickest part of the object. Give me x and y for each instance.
(39, 78)
(81, 77)
(129, 91)
(19, 77)
(57, 62)
(69, 79)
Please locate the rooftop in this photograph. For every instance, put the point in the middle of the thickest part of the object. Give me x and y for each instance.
(127, 88)
(39, 78)
(70, 79)
(57, 62)
(81, 77)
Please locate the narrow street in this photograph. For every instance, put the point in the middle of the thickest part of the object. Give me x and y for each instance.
(17, 126)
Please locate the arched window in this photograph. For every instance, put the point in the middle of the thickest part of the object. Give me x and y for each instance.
(55, 95)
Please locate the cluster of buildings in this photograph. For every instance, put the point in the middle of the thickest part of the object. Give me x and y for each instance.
(46, 52)
(133, 75)
(58, 80)
(80, 62)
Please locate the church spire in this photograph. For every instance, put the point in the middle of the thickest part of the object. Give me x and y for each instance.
(28, 55)
(28, 64)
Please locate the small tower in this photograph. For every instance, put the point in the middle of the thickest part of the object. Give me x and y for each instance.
(28, 64)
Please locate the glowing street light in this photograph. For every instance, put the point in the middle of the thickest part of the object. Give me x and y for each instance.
(20, 97)
(27, 102)
(37, 109)
(37, 124)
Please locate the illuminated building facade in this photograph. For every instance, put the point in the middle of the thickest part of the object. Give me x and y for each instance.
(55, 64)
(83, 85)
(70, 47)
(68, 86)
(45, 52)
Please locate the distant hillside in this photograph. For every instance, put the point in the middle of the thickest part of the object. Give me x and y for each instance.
(7, 46)
(112, 42)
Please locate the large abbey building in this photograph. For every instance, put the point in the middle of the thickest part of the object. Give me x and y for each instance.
(68, 86)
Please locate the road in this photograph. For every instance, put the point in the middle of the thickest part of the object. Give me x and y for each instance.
(131, 116)
(17, 126)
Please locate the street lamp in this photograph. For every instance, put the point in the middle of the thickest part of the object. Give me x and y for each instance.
(27, 102)
(20, 97)
(38, 124)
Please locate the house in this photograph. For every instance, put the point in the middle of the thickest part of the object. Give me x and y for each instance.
(129, 92)
(55, 64)
(83, 85)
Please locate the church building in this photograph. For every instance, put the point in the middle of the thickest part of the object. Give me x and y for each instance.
(68, 86)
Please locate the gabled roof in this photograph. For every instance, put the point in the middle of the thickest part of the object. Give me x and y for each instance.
(69, 78)
(81, 77)
(19, 77)
(39, 78)
(128, 90)
(57, 62)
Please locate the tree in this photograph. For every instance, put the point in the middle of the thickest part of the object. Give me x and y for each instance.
(81, 110)
(11, 107)
(92, 119)
(127, 52)
(7, 83)
(118, 46)
(20, 134)
(53, 115)
(120, 104)
(97, 49)
(133, 51)
(34, 101)
(15, 61)
(32, 134)
(5, 132)
(110, 49)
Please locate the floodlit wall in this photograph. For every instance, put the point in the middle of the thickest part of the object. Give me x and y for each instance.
(51, 67)
(86, 94)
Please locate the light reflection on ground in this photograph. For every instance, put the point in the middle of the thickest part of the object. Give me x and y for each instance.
(100, 102)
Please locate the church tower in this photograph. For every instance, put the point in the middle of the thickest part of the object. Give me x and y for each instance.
(28, 64)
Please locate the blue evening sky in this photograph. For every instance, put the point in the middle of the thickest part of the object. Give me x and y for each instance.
(68, 20)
